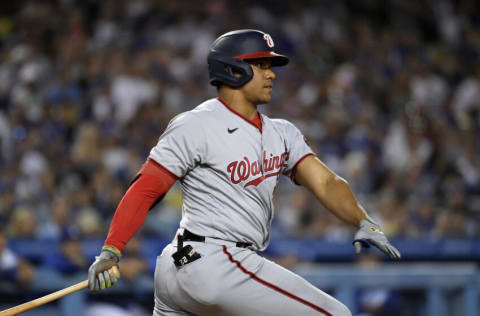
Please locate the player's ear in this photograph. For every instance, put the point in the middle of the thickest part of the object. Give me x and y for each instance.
(236, 73)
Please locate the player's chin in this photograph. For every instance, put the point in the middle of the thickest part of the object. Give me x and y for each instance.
(266, 97)
(264, 100)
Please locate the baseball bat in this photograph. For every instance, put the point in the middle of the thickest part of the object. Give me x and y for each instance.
(52, 297)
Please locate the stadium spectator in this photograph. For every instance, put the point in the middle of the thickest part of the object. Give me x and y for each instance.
(23, 224)
(13, 269)
(69, 257)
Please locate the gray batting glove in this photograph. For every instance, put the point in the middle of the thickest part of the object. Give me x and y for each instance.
(371, 233)
(99, 277)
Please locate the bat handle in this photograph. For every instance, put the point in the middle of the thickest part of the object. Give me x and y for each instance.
(53, 296)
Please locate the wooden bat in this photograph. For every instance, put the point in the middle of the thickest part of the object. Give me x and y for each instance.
(52, 297)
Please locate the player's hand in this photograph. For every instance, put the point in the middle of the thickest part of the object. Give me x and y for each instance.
(99, 276)
(371, 233)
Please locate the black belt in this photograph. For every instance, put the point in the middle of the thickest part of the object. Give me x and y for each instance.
(189, 236)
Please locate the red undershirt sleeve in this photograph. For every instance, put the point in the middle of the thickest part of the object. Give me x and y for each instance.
(152, 182)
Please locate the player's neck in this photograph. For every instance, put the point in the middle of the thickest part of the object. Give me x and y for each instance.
(239, 103)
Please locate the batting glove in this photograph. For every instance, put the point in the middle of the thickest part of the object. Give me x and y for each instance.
(99, 276)
(371, 233)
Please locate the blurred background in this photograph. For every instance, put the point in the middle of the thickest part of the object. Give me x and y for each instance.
(387, 93)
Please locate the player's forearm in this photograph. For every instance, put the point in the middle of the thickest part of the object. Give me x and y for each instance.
(132, 211)
(331, 190)
(128, 218)
(337, 197)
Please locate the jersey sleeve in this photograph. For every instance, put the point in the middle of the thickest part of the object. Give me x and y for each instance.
(297, 148)
(181, 146)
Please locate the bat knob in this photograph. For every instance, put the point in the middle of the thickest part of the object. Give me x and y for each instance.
(114, 270)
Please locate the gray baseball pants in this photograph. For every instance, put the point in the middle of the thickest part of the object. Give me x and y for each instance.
(228, 280)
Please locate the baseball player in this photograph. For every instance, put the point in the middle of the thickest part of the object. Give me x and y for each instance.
(228, 158)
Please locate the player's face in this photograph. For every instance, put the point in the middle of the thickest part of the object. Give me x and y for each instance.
(259, 89)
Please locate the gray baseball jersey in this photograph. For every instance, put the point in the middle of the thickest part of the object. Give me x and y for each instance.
(229, 169)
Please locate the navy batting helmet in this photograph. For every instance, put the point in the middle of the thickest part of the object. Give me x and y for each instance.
(229, 52)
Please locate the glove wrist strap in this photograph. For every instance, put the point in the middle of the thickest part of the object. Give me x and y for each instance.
(114, 251)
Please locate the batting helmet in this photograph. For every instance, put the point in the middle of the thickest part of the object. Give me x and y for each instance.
(229, 52)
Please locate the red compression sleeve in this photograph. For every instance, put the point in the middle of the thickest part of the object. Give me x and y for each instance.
(132, 210)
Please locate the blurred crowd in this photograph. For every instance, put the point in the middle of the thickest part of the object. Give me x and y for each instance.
(386, 92)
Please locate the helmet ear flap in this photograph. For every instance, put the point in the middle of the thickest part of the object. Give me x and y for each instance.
(227, 70)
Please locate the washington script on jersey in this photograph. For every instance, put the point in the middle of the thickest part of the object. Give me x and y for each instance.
(242, 170)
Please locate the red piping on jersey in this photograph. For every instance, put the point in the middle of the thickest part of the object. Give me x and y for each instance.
(294, 170)
(273, 286)
(253, 122)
